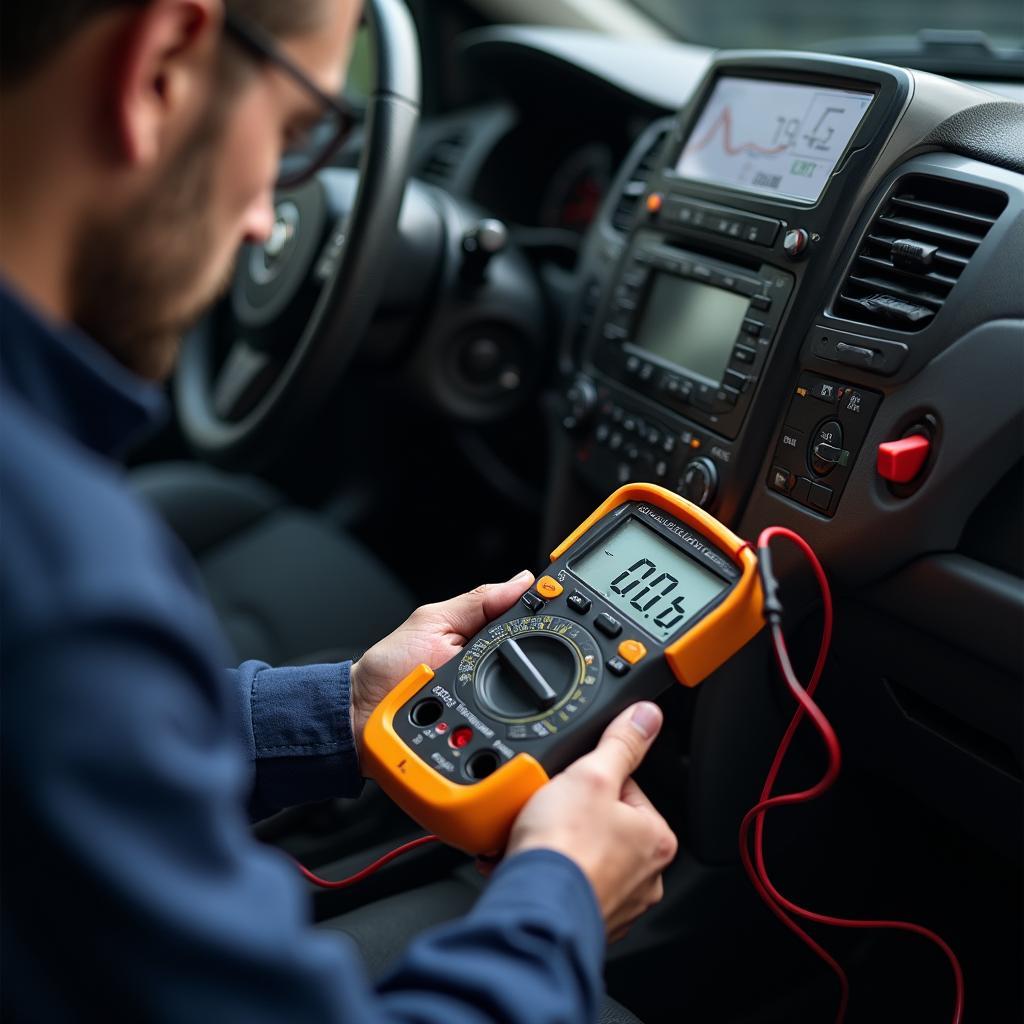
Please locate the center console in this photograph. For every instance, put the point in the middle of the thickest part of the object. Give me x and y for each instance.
(700, 309)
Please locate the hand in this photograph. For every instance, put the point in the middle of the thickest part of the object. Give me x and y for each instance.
(433, 634)
(596, 815)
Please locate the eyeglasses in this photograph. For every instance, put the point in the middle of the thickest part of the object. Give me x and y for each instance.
(303, 156)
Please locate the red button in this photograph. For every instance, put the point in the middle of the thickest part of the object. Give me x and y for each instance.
(441, 727)
(461, 737)
(900, 461)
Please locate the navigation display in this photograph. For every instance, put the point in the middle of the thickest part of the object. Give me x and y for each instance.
(648, 579)
(772, 137)
(691, 325)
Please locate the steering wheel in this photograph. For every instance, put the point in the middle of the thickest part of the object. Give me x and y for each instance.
(256, 371)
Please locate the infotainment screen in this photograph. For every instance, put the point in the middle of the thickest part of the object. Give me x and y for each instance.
(691, 325)
(775, 138)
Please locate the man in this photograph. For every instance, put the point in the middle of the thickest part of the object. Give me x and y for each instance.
(138, 148)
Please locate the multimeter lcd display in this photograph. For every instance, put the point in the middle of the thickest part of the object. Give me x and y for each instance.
(648, 579)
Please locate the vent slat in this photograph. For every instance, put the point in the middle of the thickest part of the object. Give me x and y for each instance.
(919, 227)
(938, 279)
(983, 221)
(881, 284)
(941, 223)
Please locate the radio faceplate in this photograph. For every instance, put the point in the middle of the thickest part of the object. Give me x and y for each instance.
(702, 356)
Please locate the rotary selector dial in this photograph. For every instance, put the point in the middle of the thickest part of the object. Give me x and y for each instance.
(535, 673)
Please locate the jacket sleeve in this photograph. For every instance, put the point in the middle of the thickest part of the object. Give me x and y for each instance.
(297, 728)
(142, 894)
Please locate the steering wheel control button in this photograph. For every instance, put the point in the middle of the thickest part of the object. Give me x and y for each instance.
(632, 651)
(782, 479)
(795, 242)
(578, 602)
(617, 666)
(532, 601)
(901, 461)
(819, 497)
(827, 448)
(548, 587)
(608, 624)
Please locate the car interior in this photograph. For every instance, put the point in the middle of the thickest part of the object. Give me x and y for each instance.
(769, 259)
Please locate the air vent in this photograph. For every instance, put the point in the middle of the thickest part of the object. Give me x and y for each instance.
(442, 161)
(625, 208)
(915, 250)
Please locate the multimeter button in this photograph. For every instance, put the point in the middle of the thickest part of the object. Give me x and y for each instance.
(548, 587)
(632, 650)
(461, 737)
(578, 603)
(532, 601)
(617, 666)
(608, 625)
(441, 728)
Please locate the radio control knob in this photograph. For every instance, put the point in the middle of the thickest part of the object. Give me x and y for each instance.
(699, 482)
(581, 398)
(795, 242)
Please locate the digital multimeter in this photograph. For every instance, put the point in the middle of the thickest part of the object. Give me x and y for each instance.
(648, 591)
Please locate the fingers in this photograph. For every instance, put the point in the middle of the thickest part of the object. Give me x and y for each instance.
(626, 741)
(634, 796)
(469, 613)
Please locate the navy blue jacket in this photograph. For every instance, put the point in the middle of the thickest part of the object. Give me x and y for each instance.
(133, 764)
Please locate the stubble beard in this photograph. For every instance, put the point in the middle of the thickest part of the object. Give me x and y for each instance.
(142, 280)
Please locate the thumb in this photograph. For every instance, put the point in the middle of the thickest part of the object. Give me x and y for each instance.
(469, 613)
(627, 739)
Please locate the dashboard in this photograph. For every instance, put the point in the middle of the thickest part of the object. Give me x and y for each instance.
(787, 262)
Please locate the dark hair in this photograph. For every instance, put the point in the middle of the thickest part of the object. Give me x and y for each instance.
(31, 31)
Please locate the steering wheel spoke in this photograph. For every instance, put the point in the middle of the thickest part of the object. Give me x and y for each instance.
(242, 380)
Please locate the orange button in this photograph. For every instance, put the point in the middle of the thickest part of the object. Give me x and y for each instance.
(654, 202)
(632, 651)
(548, 587)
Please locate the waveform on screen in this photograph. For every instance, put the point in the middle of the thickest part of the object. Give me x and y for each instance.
(724, 123)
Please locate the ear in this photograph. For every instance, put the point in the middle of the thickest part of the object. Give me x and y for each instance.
(163, 73)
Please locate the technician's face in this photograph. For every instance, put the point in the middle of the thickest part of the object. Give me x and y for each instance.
(143, 280)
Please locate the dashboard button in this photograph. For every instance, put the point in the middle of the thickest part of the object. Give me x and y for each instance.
(823, 390)
(819, 496)
(782, 479)
(901, 461)
(735, 379)
(801, 489)
(791, 442)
